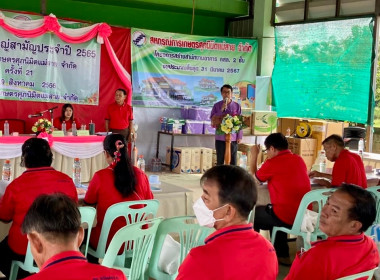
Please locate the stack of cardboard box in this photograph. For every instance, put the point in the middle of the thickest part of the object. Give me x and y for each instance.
(319, 129)
(190, 159)
(305, 148)
(259, 122)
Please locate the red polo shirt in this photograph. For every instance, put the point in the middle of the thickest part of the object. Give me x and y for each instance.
(349, 168)
(335, 257)
(69, 124)
(20, 194)
(103, 192)
(234, 253)
(288, 181)
(119, 116)
(72, 265)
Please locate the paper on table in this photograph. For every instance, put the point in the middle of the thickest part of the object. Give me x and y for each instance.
(313, 180)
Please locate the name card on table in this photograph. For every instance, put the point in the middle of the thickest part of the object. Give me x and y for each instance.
(58, 133)
(83, 132)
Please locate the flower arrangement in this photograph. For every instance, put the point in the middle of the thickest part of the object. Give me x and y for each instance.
(42, 125)
(231, 124)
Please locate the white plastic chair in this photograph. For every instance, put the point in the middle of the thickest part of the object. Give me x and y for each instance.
(190, 235)
(368, 274)
(123, 209)
(87, 215)
(315, 196)
(27, 265)
(141, 237)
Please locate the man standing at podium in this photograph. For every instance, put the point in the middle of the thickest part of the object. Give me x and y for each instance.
(220, 109)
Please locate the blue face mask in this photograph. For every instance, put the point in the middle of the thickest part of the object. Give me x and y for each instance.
(204, 215)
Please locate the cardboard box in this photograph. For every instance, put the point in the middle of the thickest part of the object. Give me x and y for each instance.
(304, 147)
(284, 123)
(207, 128)
(195, 165)
(247, 113)
(264, 122)
(206, 159)
(199, 113)
(181, 160)
(214, 158)
(193, 127)
(320, 130)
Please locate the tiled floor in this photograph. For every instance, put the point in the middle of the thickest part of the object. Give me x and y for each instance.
(284, 270)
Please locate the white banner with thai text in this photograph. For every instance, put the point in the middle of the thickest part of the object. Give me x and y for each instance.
(47, 69)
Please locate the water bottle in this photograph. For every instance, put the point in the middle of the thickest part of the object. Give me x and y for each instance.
(7, 171)
(361, 147)
(322, 162)
(243, 161)
(64, 128)
(76, 172)
(74, 129)
(141, 163)
(6, 128)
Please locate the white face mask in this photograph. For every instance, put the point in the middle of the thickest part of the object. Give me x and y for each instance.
(204, 215)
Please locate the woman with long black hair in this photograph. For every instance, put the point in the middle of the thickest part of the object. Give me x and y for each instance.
(120, 181)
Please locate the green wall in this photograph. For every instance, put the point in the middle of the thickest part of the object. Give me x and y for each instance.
(162, 15)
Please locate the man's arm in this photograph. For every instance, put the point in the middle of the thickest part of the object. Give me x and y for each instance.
(322, 182)
(255, 150)
(315, 173)
(132, 132)
(107, 125)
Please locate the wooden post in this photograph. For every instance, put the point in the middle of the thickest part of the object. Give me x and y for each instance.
(227, 152)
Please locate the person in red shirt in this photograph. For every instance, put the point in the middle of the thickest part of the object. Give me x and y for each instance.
(53, 227)
(288, 182)
(120, 181)
(39, 178)
(234, 251)
(67, 116)
(348, 167)
(348, 213)
(119, 116)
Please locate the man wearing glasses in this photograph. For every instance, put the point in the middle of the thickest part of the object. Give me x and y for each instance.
(288, 181)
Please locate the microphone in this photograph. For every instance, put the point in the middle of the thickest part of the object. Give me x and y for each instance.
(35, 115)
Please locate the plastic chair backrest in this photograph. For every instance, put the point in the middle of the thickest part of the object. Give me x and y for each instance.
(376, 192)
(319, 196)
(251, 216)
(190, 235)
(142, 234)
(368, 273)
(132, 215)
(27, 265)
(87, 216)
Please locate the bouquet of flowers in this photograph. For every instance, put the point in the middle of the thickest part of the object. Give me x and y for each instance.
(231, 124)
(42, 125)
